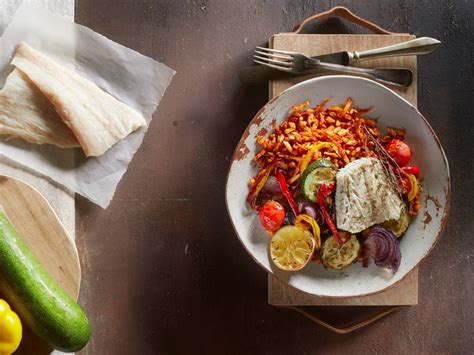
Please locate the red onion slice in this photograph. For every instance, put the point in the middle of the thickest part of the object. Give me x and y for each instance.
(271, 185)
(382, 245)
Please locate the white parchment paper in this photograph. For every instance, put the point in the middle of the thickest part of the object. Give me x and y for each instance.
(132, 78)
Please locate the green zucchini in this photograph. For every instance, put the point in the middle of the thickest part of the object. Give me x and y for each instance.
(339, 257)
(400, 225)
(39, 301)
(317, 173)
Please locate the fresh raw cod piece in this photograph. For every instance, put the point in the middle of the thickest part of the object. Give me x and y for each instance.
(97, 119)
(27, 114)
(365, 196)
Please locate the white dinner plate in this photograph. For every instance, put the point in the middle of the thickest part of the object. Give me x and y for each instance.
(392, 111)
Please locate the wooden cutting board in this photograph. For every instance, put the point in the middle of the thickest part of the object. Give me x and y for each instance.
(47, 238)
(406, 292)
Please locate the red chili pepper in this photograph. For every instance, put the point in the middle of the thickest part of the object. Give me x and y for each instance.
(415, 170)
(286, 192)
(324, 191)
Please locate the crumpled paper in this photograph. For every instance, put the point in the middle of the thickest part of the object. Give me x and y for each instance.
(132, 78)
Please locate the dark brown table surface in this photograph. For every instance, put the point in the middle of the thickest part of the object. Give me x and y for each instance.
(162, 269)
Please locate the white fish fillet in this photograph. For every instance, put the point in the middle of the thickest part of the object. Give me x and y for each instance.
(364, 196)
(97, 119)
(27, 114)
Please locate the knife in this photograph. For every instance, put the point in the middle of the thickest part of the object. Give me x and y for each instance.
(424, 45)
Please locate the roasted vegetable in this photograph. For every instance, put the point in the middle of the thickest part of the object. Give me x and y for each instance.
(382, 245)
(414, 187)
(399, 226)
(338, 257)
(317, 173)
(399, 151)
(286, 192)
(310, 221)
(415, 170)
(258, 185)
(272, 215)
(324, 191)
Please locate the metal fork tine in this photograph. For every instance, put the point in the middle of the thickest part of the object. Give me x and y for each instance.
(273, 66)
(276, 62)
(274, 55)
(276, 51)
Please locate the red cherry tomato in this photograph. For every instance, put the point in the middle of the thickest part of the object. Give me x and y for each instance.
(414, 170)
(272, 215)
(399, 151)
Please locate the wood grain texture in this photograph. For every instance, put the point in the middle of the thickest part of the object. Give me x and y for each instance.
(163, 271)
(60, 199)
(42, 231)
(406, 292)
(47, 238)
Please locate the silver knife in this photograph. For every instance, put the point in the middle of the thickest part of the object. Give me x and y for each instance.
(423, 45)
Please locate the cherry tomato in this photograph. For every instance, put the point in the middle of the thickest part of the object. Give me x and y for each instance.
(272, 215)
(399, 151)
(415, 170)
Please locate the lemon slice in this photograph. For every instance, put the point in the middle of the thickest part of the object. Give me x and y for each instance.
(338, 257)
(291, 248)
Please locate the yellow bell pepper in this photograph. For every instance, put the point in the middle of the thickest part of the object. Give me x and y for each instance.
(10, 329)
(415, 188)
(314, 226)
(307, 158)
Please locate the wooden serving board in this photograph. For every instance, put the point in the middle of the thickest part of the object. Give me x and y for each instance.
(405, 292)
(40, 227)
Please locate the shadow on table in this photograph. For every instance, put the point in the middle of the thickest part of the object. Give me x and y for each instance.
(32, 345)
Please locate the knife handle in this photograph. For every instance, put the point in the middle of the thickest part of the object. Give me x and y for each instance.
(393, 76)
(421, 45)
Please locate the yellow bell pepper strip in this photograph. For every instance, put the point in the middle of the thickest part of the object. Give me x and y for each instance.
(314, 226)
(415, 188)
(258, 186)
(10, 329)
(309, 156)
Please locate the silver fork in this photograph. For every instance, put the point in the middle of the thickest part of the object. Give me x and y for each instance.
(297, 63)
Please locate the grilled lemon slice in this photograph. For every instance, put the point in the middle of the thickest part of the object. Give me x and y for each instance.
(338, 257)
(291, 248)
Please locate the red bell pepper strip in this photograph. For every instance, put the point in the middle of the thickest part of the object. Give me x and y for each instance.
(415, 170)
(286, 192)
(324, 191)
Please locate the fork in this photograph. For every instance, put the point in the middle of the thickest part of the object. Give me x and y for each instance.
(297, 63)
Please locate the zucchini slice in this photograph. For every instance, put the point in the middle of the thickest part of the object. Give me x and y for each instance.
(338, 257)
(317, 173)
